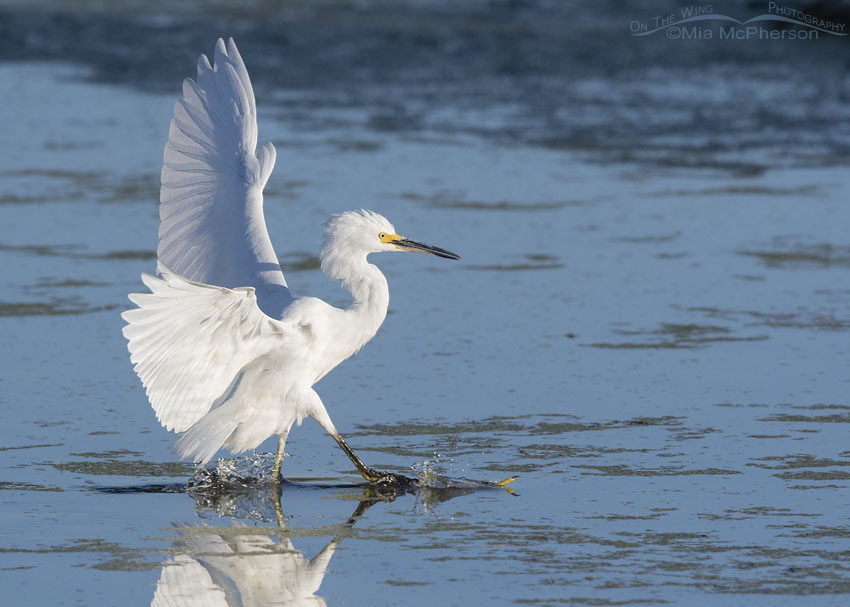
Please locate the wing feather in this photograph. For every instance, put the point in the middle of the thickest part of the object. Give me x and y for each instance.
(181, 331)
(212, 228)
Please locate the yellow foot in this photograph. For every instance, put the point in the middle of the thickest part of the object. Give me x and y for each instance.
(506, 481)
(504, 484)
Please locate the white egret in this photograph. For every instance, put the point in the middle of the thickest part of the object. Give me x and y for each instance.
(227, 355)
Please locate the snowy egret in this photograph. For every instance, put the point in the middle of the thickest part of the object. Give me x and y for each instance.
(227, 355)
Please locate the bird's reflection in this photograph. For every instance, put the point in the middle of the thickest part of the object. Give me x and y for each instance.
(245, 565)
(230, 570)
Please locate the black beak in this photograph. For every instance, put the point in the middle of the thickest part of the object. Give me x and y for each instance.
(412, 245)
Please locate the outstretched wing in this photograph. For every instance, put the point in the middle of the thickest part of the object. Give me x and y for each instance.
(189, 342)
(213, 230)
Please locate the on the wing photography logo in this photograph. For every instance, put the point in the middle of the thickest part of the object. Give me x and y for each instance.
(702, 22)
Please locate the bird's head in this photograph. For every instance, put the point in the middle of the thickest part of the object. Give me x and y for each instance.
(358, 232)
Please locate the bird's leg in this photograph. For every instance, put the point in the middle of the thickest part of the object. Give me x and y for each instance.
(281, 441)
(370, 474)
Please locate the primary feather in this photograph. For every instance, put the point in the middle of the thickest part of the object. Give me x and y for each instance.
(212, 227)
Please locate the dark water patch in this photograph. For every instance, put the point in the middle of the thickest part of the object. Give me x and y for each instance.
(808, 487)
(823, 256)
(117, 467)
(137, 188)
(503, 205)
(815, 475)
(487, 425)
(756, 511)
(623, 470)
(821, 407)
(789, 320)
(558, 451)
(694, 434)
(624, 517)
(107, 454)
(76, 251)
(517, 267)
(810, 419)
(756, 190)
(685, 538)
(798, 461)
(18, 199)
(299, 262)
(406, 583)
(31, 446)
(759, 436)
(135, 489)
(649, 239)
(55, 283)
(50, 423)
(662, 345)
(55, 307)
(126, 255)
(15, 486)
(677, 336)
(68, 250)
(661, 157)
(359, 145)
(781, 585)
(520, 424)
(454, 200)
(535, 261)
(287, 189)
(533, 539)
(66, 146)
(84, 176)
(118, 557)
(79, 185)
(821, 532)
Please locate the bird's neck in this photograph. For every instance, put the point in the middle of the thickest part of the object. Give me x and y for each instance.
(368, 288)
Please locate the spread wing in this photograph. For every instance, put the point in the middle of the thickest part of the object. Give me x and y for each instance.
(189, 343)
(213, 230)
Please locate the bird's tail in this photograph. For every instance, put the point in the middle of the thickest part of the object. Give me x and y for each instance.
(206, 436)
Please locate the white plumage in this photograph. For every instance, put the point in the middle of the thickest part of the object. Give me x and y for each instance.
(227, 356)
(248, 570)
(213, 230)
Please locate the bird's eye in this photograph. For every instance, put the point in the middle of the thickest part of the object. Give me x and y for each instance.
(382, 236)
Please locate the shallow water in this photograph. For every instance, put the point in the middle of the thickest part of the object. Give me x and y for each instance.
(649, 324)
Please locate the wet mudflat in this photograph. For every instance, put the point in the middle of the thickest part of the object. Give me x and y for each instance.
(649, 325)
